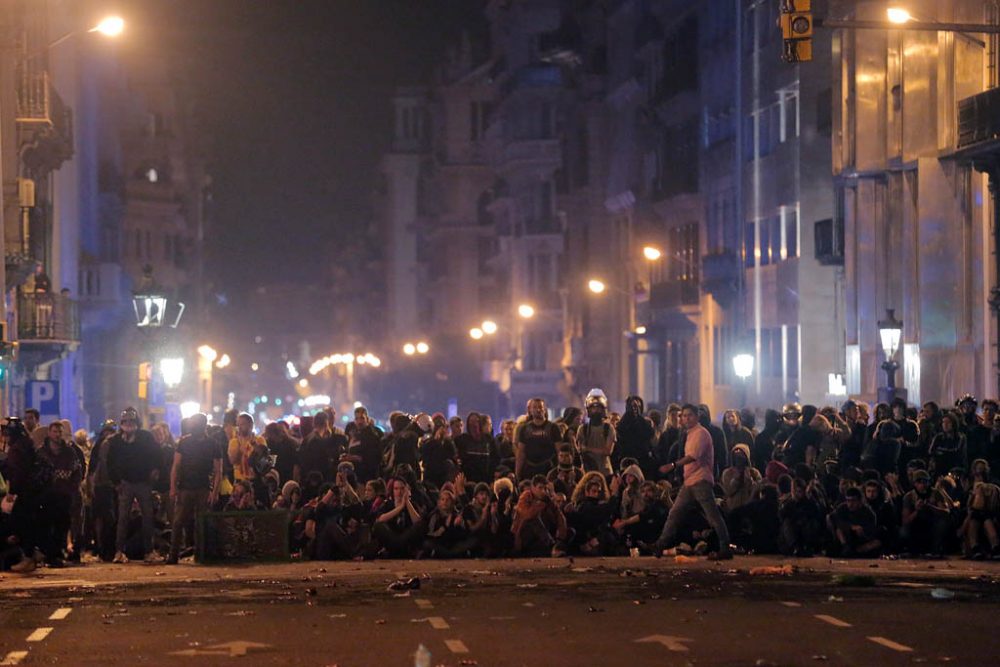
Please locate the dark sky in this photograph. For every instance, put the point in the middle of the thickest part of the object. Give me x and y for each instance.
(295, 102)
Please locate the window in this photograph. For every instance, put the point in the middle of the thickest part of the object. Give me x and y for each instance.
(478, 120)
(824, 112)
(788, 100)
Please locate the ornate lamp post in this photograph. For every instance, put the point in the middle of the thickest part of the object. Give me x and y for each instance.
(890, 332)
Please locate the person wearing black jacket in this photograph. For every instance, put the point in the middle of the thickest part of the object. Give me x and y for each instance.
(763, 445)
(132, 457)
(28, 475)
(719, 448)
(636, 436)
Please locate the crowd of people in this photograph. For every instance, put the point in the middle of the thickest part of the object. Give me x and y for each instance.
(592, 483)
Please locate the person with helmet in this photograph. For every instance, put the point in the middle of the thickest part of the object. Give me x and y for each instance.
(194, 481)
(102, 492)
(596, 437)
(132, 457)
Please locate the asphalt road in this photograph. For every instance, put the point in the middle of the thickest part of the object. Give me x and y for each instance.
(595, 612)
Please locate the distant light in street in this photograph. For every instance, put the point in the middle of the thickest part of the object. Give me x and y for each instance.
(316, 400)
(409, 349)
(278, 402)
(651, 253)
(208, 353)
(489, 327)
(172, 370)
(475, 333)
(898, 15)
(292, 371)
(223, 361)
(369, 359)
(596, 286)
(303, 383)
(110, 26)
(423, 348)
(526, 311)
(358, 404)
(189, 408)
(743, 365)
(255, 367)
(641, 330)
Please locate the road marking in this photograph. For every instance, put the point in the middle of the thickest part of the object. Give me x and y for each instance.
(232, 649)
(436, 622)
(792, 604)
(60, 614)
(670, 642)
(38, 635)
(888, 643)
(14, 657)
(424, 603)
(456, 646)
(833, 620)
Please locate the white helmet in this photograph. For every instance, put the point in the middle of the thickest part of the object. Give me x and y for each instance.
(596, 396)
(424, 422)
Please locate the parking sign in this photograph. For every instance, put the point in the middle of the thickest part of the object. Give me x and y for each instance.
(43, 395)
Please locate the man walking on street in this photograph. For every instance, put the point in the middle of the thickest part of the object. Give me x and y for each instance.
(132, 457)
(194, 481)
(699, 480)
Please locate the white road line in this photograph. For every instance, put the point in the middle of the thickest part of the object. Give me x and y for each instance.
(60, 614)
(438, 623)
(792, 604)
(888, 643)
(38, 635)
(833, 620)
(14, 658)
(456, 646)
(423, 603)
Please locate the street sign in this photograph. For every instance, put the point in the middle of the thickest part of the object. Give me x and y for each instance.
(43, 395)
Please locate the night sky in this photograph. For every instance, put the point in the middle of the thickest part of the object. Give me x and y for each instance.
(294, 101)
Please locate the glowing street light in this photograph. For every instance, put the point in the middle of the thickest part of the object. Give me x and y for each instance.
(526, 311)
(489, 327)
(223, 361)
(208, 353)
(172, 370)
(423, 348)
(409, 349)
(596, 286)
(475, 333)
(640, 330)
(189, 409)
(898, 15)
(743, 365)
(651, 253)
(110, 26)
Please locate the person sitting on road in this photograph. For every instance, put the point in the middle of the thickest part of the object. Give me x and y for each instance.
(565, 476)
(447, 534)
(539, 527)
(242, 498)
(801, 522)
(925, 517)
(852, 527)
(886, 523)
(589, 514)
(400, 526)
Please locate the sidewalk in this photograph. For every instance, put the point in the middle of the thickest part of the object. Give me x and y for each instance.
(98, 574)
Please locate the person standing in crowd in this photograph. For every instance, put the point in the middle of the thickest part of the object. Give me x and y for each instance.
(476, 451)
(948, 449)
(133, 458)
(364, 446)
(102, 492)
(321, 450)
(734, 430)
(535, 442)
(194, 481)
(596, 438)
(635, 436)
(60, 495)
(697, 492)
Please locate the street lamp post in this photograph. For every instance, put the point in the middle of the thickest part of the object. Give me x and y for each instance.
(890, 331)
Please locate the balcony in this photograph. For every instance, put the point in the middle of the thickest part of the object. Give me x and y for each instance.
(720, 275)
(979, 118)
(524, 153)
(44, 318)
(674, 294)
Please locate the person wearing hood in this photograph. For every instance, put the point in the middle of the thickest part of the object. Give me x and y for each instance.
(739, 480)
(803, 443)
(195, 476)
(476, 450)
(636, 435)
(853, 446)
(763, 445)
(404, 447)
(627, 490)
(290, 497)
(719, 448)
(736, 433)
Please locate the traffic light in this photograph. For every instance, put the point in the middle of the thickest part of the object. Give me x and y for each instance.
(796, 23)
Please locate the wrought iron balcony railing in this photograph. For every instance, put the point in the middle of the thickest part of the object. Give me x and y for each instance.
(47, 318)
